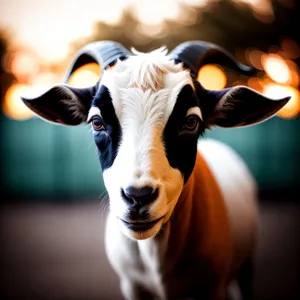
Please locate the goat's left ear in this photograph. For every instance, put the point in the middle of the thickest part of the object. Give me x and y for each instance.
(238, 106)
(63, 104)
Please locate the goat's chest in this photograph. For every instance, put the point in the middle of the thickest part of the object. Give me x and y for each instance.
(150, 274)
(151, 264)
(138, 262)
(166, 277)
(147, 267)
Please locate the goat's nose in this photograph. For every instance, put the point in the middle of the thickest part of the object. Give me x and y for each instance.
(139, 196)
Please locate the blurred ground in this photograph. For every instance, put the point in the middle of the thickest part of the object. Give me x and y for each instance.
(56, 252)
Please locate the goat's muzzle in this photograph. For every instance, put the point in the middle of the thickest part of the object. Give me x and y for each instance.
(141, 226)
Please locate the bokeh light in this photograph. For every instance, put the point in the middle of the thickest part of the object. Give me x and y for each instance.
(262, 9)
(256, 83)
(24, 65)
(85, 76)
(276, 68)
(254, 57)
(13, 106)
(46, 78)
(290, 47)
(294, 73)
(212, 77)
(276, 91)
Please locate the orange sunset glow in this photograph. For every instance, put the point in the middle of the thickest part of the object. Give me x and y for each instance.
(38, 60)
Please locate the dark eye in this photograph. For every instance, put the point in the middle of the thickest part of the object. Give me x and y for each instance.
(98, 124)
(191, 122)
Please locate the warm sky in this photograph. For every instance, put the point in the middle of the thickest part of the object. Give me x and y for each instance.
(49, 25)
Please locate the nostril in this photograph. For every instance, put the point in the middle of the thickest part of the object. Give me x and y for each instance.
(140, 196)
(126, 197)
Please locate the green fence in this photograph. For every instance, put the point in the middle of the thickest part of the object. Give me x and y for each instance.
(40, 159)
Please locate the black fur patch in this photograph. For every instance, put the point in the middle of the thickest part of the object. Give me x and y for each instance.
(181, 145)
(107, 140)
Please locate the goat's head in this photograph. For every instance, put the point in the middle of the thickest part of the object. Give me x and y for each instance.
(147, 113)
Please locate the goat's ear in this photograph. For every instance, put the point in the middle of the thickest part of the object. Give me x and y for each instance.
(238, 106)
(63, 104)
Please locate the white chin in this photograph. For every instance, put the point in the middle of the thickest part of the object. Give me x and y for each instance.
(141, 234)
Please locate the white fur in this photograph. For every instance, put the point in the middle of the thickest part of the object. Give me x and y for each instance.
(144, 89)
(138, 263)
(94, 111)
(141, 158)
(195, 111)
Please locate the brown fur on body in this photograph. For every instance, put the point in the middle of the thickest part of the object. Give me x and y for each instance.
(192, 257)
(200, 248)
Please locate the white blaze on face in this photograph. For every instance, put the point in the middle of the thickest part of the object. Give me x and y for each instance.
(94, 111)
(141, 159)
(195, 111)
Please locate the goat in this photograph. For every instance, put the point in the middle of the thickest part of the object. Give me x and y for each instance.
(183, 213)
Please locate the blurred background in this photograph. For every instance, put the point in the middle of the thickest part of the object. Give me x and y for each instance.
(52, 207)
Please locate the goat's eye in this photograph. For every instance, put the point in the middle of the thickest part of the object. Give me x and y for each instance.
(98, 124)
(191, 122)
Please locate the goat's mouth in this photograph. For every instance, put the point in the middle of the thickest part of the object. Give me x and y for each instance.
(140, 226)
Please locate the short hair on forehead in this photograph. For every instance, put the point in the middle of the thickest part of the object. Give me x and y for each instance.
(148, 69)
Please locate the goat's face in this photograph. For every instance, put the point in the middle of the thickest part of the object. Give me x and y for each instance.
(146, 121)
(146, 114)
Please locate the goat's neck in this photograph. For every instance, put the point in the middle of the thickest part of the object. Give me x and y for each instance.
(199, 218)
(164, 249)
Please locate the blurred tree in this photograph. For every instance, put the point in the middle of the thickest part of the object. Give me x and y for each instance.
(5, 81)
(229, 24)
(5, 78)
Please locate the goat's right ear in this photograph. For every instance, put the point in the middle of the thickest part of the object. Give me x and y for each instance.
(63, 104)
